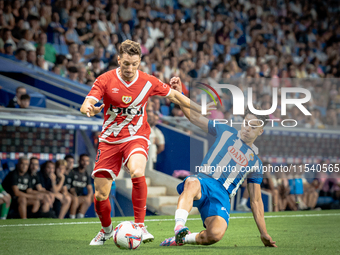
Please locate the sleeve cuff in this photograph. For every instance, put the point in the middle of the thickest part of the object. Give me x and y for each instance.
(168, 93)
(97, 100)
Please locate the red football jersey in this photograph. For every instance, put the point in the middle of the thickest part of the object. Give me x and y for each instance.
(125, 118)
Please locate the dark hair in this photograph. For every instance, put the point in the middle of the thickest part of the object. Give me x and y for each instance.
(25, 97)
(73, 69)
(131, 48)
(60, 59)
(68, 156)
(83, 155)
(260, 117)
(19, 50)
(95, 60)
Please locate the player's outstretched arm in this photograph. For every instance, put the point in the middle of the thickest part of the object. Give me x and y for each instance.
(89, 109)
(258, 213)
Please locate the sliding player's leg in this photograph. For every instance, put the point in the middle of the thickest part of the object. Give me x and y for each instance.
(216, 226)
(213, 203)
(191, 192)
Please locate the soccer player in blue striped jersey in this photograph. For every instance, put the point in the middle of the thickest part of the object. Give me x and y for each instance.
(231, 159)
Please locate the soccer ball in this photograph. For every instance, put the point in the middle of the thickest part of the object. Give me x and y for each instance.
(127, 235)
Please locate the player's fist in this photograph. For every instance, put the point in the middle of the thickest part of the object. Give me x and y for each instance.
(267, 241)
(93, 110)
(176, 84)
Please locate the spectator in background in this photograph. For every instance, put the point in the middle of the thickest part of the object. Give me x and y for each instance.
(156, 138)
(8, 50)
(60, 189)
(24, 102)
(18, 93)
(50, 51)
(32, 57)
(26, 40)
(16, 184)
(269, 185)
(95, 68)
(71, 35)
(5, 203)
(46, 198)
(55, 30)
(21, 54)
(7, 38)
(73, 73)
(81, 187)
(68, 184)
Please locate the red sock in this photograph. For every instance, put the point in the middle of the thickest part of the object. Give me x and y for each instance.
(103, 209)
(139, 194)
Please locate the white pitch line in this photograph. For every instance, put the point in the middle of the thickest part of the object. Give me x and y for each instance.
(157, 220)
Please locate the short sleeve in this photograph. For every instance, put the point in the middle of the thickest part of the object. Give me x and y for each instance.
(216, 128)
(257, 175)
(159, 87)
(98, 88)
(88, 179)
(14, 180)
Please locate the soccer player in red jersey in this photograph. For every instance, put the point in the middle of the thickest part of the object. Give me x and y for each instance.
(125, 134)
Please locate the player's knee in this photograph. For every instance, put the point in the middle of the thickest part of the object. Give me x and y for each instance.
(214, 237)
(191, 185)
(22, 201)
(68, 199)
(137, 172)
(101, 195)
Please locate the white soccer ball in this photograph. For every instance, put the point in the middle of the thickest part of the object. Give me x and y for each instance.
(127, 235)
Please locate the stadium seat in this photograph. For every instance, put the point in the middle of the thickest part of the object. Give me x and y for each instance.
(165, 110)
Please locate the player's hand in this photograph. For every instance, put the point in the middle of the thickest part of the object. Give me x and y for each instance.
(210, 107)
(267, 241)
(93, 110)
(176, 84)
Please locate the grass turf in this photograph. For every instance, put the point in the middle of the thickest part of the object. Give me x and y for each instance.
(314, 232)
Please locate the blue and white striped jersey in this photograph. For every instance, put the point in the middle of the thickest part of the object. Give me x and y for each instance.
(229, 160)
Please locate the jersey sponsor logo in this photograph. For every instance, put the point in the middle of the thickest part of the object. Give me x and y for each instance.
(79, 184)
(115, 90)
(127, 111)
(126, 99)
(237, 156)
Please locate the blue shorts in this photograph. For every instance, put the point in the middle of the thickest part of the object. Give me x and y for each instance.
(214, 201)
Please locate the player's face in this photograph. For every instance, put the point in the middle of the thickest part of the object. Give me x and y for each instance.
(34, 166)
(23, 166)
(128, 65)
(249, 133)
(70, 163)
(49, 168)
(84, 161)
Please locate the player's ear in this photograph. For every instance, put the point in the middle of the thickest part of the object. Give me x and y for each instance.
(118, 59)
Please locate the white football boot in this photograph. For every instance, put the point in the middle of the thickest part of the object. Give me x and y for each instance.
(146, 236)
(101, 237)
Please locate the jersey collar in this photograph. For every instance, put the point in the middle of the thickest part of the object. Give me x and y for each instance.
(124, 82)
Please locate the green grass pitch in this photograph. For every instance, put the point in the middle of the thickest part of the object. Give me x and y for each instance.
(316, 232)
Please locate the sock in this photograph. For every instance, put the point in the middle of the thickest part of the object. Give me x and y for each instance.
(139, 224)
(181, 217)
(244, 201)
(108, 229)
(139, 194)
(72, 216)
(4, 211)
(80, 216)
(103, 210)
(190, 238)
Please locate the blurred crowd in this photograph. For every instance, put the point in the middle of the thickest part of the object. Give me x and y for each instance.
(52, 189)
(218, 40)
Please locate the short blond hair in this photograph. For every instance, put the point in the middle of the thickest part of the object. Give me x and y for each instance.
(131, 48)
(60, 163)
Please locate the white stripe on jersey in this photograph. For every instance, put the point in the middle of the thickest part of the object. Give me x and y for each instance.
(115, 128)
(226, 160)
(224, 138)
(233, 193)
